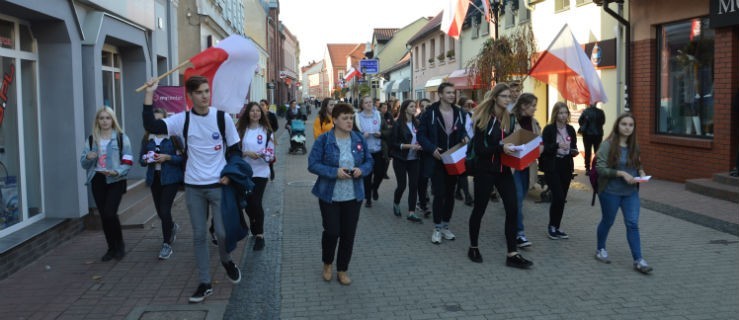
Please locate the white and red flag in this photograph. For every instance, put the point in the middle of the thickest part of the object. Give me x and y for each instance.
(351, 73)
(565, 66)
(453, 17)
(229, 67)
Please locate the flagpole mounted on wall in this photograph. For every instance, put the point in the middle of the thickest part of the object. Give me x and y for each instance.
(180, 66)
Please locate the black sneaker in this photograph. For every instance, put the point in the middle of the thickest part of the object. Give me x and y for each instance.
(474, 255)
(204, 290)
(468, 201)
(522, 242)
(258, 243)
(518, 261)
(232, 271)
(368, 204)
(107, 256)
(414, 218)
(375, 195)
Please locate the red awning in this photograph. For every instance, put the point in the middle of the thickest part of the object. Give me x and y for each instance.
(462, 80)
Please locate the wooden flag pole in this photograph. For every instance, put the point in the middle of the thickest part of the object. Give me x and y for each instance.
(182, 65)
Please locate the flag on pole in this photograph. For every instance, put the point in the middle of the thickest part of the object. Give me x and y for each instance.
(351, 73)
(453, 17)
(565, 66)
(486, 7)
(229, 67)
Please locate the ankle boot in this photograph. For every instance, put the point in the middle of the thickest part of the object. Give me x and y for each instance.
(343, 278)
(327, 272)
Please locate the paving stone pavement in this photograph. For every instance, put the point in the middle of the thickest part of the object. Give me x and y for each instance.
(398, 273)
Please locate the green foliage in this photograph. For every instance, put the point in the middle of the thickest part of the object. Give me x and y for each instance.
(506, 58)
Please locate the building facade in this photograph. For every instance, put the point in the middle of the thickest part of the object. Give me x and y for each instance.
(433, 58)
(287, 86)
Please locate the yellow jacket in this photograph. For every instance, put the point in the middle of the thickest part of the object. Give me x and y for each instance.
(321, 128)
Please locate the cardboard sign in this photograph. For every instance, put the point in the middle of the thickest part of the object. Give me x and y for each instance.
(528, 151)
(454, 159)
(171, 99)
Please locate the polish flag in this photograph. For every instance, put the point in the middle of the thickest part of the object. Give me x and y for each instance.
(229, 67)
(351, 73)
(453, 17)
(565, 66)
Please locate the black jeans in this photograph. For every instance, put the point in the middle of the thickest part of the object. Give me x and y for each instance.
(590, 142)
(402, 169)
(373, 180)
(558, 181)
(107, 199)
(163, 198)
(254, 209)
(463, 185)
(483, 183)
(442, 186)
(339, 226)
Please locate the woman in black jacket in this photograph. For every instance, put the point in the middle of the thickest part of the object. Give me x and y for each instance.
(560, 145)
(491, 121)
(405, 153)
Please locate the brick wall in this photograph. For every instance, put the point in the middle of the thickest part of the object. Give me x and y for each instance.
(22, 255)
(680, 158)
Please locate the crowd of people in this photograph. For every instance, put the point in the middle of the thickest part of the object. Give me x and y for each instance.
(224, 168)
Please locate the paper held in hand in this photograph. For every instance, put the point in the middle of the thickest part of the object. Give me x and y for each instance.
(526, 149)
(642, 179)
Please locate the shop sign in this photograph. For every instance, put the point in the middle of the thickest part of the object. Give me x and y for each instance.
(602, 53)
(724, 13)
(8, 78)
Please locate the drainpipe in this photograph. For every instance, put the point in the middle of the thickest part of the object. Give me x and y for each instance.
(627, 49)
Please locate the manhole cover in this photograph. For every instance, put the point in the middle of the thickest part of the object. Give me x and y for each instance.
(301, 183)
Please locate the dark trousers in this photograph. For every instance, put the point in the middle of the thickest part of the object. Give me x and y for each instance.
(254, 209)
(107, 199)
(339, 226)
(163, 198)
(558, 181)
(463, 185)
(442, 186)
(423, 195)
(402, 169)
(483, 183)
(372, 181)
(590, 142)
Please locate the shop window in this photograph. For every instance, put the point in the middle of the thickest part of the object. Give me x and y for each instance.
(685, 81)
(113, 82)
(7, 34)
(26, 38)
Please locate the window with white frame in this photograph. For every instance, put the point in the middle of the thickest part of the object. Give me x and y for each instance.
(112, 81)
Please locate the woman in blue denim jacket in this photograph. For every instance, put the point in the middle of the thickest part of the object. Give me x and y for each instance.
(164, 175)
(341, 159)
(107, 159)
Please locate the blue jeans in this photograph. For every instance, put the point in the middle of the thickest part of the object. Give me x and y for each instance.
(521, 180)
(198, 201)
(609, 204)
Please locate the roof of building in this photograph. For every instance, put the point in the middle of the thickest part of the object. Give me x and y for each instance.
(432, 26)
(384, 34)
(339, 51)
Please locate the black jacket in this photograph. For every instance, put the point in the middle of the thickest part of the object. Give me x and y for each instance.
(549, 140)
(591, 121)
(401, 135)
(431, 135)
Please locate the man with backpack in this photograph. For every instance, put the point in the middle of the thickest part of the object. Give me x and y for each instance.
(209, 140)
(591, 127)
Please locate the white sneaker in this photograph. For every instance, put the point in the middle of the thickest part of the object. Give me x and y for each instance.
(602, 256)
(448, 235)
(642, 266)
(436, 237)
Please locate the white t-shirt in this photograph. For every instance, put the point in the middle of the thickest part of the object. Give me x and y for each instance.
(255, 140)
(102, 155)
(206, 155)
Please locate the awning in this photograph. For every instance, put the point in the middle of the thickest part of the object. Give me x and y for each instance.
(433, 83)
(403, 85)
(388, 86)
(462, 80)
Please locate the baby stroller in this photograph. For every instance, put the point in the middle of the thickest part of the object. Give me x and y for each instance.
(297, 136)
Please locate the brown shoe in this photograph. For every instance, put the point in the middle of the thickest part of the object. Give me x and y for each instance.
(343, 278)
(327, 272)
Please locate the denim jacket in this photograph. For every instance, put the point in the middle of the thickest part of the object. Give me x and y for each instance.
(113, 160)
(324, 162)
(171, 172)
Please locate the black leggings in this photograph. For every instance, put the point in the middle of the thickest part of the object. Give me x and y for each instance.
(163, 196)
(442, 186)
(558, 181)
(372, 181)
(107, 199)
(409, 168)
(254, 209)
(339, 226)
(590, 141)
(483, 183)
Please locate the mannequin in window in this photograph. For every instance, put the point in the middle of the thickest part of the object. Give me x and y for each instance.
(690, 98)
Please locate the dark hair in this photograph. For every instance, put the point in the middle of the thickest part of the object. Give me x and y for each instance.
(424, 100)
(462, 100)
(524, 98)
(194, 82)
(244, 119)
(402, 117)
(341, 108)
(443, 86)
(614, 154)
(265, 101)
(323, 112)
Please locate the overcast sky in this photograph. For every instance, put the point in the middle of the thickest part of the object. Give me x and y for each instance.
(317, 22)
